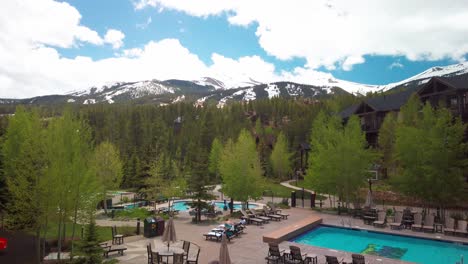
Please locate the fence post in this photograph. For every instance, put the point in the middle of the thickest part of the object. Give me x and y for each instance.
(293, 199)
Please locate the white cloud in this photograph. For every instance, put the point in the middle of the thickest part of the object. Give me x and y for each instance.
(34, 22)
(396, 64)
(328, 32)
(115, 38)
(145, 24)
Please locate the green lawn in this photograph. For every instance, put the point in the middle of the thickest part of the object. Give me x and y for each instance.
(104, 232)
(278, 189)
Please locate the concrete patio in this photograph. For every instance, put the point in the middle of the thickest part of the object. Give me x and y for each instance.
(249, 248)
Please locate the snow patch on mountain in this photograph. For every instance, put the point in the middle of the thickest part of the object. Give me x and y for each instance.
(178, 99)
(89, 101)
(294, 90)
(272, 90)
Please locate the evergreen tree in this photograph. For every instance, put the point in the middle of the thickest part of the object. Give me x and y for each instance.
(90, 248)
(281, 158)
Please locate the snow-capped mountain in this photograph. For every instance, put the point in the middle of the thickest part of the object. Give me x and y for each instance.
(224, 89)
(423, 77)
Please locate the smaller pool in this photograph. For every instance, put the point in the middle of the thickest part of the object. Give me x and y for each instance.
(182, 206)
(134, 205)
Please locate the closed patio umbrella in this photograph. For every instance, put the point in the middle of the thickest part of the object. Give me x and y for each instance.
(169, 234)
(369, 202)
(224, 252)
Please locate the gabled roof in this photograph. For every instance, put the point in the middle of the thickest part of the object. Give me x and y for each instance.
(384, 103)
(457, 81)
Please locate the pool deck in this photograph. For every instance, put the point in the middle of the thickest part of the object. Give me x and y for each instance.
(293, 230)
(249, 247)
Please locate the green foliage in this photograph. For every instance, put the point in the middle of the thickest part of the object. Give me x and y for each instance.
(215, 157)
(240, 169)
(386, 140)
(89, 246)
(107, 166)
(339, 158)
(431, 154)
(281, 158)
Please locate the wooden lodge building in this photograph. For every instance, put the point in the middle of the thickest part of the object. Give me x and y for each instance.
(450, 92)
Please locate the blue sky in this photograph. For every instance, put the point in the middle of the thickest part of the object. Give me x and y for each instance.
(204, 36)
(53, 46)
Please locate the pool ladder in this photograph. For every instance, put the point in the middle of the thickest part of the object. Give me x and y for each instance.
(461, 260)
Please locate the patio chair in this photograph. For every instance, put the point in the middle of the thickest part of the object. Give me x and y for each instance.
(449, 225)
(250, 219)
(417, 222)
(116, 238)
(274, 254)
(271, 215)
(461, 228)
(150, 254)
(397, 221)
(381, 219)
(278, 211)
(255, 215)
(429, 223)
(332, 260)
(358, 259)
(178, 258)
(186, 248)
(296, 257)
(194, 259)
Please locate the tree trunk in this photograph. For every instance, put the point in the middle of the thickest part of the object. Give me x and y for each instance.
(73, 231)
(105, 203)
(231, 207)
(59, 242)
(38, 244)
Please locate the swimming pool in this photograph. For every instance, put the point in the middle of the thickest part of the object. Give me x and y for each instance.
(182, 206)
(400, 247)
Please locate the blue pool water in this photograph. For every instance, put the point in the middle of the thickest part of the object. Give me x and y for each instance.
(182, 206)
(405, 248)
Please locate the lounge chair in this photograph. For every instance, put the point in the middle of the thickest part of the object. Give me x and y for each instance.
(417, 222)
(106, 249)
(274, 254)
(358, 259)
(271, 215)
(332, 260)
(461, 228)
(255, 215)
(278, 211)
(296, 257)
(194, 259)
(397, 221)
(429, 223)
(449, 225)
(381, 219)
(116, 238)
(213, 235)
(250, 219)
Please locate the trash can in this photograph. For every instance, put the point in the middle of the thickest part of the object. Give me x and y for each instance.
(150, 227)
(159, 226)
